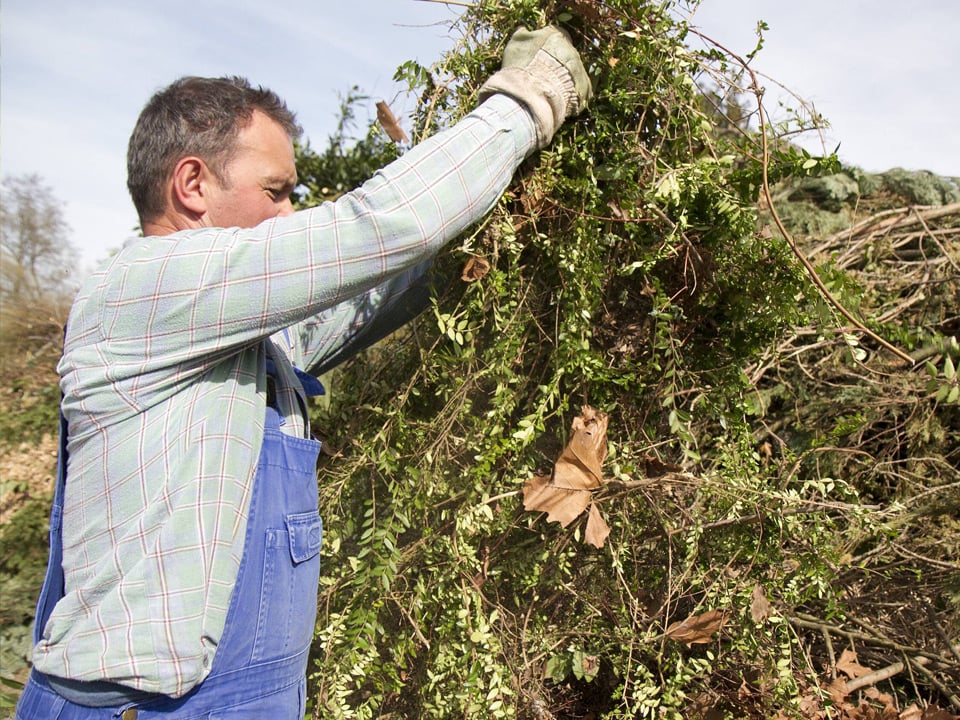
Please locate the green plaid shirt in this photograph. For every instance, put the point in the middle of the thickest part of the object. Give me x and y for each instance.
(164, 384)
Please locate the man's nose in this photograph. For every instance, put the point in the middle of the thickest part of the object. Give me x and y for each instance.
(286, 208)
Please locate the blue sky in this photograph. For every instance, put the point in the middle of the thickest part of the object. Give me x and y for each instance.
(74, 75)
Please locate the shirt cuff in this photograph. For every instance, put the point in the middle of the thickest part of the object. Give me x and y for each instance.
(504, 110)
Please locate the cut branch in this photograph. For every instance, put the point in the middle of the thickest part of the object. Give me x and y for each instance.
(808, 266)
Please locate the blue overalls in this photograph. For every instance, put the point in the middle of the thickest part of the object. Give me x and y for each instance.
(259, 668)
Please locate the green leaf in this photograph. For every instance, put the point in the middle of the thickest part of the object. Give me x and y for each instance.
(954, 394)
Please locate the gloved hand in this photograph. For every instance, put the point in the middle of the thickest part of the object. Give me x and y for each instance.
(542, 70)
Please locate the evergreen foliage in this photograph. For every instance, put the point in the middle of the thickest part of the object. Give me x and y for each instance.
(632, 268)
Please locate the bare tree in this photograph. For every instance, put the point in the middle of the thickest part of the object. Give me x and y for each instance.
(36, 258)
(37, 254)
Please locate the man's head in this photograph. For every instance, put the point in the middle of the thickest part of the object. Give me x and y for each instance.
(198, 140)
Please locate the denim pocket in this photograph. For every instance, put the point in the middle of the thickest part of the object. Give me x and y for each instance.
(305, 531)
(289, 585)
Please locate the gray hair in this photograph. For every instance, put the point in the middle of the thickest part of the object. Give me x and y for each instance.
(194, 116)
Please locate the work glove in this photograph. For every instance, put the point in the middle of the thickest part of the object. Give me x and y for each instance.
(542, 70)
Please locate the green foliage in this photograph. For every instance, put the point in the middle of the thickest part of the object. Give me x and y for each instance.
(629, 270)
(31, 411)
(23, 560)
(342, 165)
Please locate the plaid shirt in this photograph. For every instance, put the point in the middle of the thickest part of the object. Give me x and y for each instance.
(164, 384)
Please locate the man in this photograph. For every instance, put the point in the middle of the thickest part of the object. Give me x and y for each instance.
(183, 573)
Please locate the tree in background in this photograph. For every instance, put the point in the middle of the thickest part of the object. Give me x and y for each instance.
(36, 258)
(37, 253)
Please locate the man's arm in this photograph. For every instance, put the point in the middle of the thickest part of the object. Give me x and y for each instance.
(337, 334)
(197, 294)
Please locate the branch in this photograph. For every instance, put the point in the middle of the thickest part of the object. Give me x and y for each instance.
(917, 663)
(878, 676)
(888, 220)
(812, 623)
(944, 690)
(811, 271)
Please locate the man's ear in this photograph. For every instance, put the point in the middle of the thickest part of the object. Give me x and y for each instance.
(190, 178)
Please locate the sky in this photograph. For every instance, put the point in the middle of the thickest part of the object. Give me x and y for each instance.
(75, 75)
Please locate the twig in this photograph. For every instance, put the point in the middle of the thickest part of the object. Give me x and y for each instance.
(940, 631)
(930, 561)
(757, 518)
(877, 676)
(933, 237)
(833, 656)
(915, 658)
(882, 221)
(669, 477)
(808, 266)
(811, 623)
(935, 681)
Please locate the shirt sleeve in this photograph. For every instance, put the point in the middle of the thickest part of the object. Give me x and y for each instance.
(192, 296)
(333, 336)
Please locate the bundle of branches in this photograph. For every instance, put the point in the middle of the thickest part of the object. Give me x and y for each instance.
(833, 407)
(553, 496)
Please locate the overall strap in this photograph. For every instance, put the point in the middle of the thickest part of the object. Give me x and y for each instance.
(53, 583)
(311, 386)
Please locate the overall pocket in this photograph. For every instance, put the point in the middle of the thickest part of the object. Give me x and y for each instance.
(289, 586)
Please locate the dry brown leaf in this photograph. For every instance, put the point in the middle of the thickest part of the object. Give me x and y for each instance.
(618, 212)
(579, 465)
(655, 467)
(766, 449)
(935, 713)
(889, 710)
(837, 690)
(849, 666)
(811, 706)
(705, 707)
(592, 10)
(760, 608)
(475, 269)
(389, 123)
(912, 712)
(866, 711)
(597, 529)
(531, 199)
(566, 493)
(888, 701)
(872, 712)
(590, 665)
(561, 504)
(696, 628)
